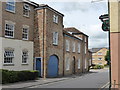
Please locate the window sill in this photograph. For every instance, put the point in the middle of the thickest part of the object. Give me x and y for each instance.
(26, 16)
(55, 44)
(8, 64)
(10, 11)
(8, 37)
(25, 64)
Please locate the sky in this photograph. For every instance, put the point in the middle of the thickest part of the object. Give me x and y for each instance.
(83, 15)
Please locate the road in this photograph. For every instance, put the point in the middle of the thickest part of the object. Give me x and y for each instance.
(94, 79)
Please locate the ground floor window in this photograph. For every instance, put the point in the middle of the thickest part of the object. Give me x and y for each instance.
(25, 57)
(67, 63)
(8, 56)
(78, 63)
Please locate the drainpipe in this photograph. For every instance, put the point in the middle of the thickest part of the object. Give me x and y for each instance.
(109, 48)
(44, 62)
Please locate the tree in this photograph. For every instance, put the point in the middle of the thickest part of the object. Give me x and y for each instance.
(107, 57)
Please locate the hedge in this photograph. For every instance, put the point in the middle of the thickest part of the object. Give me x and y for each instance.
(16, 76)
(98, 67)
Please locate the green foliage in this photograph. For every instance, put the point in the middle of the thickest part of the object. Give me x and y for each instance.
(15, 76)
(107, 57)
(98, 67)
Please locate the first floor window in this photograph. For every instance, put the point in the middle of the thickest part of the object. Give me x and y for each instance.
(73, 47)
(9, 30)
(67, 63)
(8, 56)
(25, 33)
(55, 38)
(67, 45)
(78, 63)
(78, 47)
(85, 63)
(24, 57)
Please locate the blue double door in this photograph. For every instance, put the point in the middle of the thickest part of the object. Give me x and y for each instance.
(52, 68)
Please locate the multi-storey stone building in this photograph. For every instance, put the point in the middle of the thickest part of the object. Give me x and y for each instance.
(98, 56)
(33, 37)
(16, 35)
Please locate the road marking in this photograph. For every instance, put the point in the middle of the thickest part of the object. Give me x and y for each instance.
(104, 86)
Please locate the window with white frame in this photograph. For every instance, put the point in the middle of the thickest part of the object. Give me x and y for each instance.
(55, 38)
(67, 45)
(99, 58)
(9, 30)
(26, 10)
(85, 63)
(55, 18)
(90, 62)
(8, 56)
(25, 33)
(73, 47)
(79, 47)
(85, 39)
(24, 57)
(85, 48)
(10, 5)
(99, 53)
(78, 63)
(67, 63)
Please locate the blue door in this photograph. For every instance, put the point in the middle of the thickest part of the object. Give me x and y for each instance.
(38, 65)
(52, 66)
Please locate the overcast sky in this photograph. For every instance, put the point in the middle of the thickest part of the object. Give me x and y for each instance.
(84, 16)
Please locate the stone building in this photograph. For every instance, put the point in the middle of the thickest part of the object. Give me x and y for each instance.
(75, 51)
(16, 35)
(32, 36)
(98, 56)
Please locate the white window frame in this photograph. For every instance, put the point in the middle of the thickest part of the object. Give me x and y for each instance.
(99, 53)
(85, 48)
(27, 9)
(12, 24)
(67, 65)
(99, 59)
(10, 55)
(73, 47)
(85, 63)
(25, 27)
(13, 5)
(67, 45)
(79, 62)
(55, 18)
(25, 56)
(79, 47)
(55, 38)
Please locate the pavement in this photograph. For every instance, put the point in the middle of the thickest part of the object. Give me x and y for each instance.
(41, 81)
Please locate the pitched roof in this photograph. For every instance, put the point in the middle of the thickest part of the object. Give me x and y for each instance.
(74, 30)
(42, 6)
(94, 50)
(65, 32)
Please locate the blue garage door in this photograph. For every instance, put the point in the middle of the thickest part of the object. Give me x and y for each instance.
(52, 67)
(38, 65)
